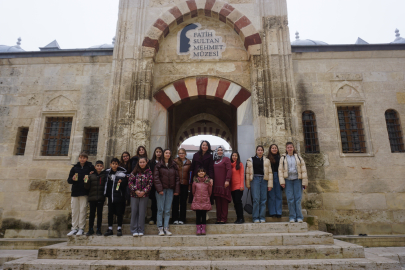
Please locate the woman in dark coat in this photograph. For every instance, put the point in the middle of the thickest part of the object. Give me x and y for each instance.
(203, 158)
(222, 180)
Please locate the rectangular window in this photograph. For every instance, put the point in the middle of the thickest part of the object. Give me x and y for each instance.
(22, 136)
(394, 131)
(351, 129)
(310, 132)
(90, 141)
(57, 136)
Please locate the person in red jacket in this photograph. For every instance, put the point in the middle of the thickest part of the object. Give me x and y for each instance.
(202, 190)
(237, 186)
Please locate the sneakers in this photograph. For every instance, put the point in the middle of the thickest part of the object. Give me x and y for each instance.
(299, 220)
(181, 222)
(176, 222)
(203, 229)
(80, 232)
(140, 234)
(262, 221)
(90, 232)
(167, 232)
(98, 232)
(108, 232)
(292, 221)
(161, 232)
(119, 232)
(198, 227)
(135, 234)
(72, 232)
(256, 221)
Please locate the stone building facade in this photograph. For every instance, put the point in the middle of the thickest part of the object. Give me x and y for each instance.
(226, 68)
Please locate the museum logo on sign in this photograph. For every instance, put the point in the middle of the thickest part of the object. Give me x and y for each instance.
(200, 44)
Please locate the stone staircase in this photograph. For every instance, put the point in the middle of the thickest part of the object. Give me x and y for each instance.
(244, 246)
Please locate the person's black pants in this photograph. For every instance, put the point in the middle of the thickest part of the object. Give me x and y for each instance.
(180, 200)
(201, 217)
(237, 201)
(115, 209)
(152, 197)
(96, 205)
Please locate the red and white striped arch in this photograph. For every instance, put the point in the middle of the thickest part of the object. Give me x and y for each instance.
(202, 87)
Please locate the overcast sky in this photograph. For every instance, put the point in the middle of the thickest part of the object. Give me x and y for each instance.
(85, 23)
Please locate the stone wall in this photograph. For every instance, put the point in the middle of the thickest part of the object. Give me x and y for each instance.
(354, 193)
(34, 193)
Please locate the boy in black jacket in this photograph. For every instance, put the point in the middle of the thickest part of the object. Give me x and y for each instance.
(79, 193)
(95, 185)
(115, 190)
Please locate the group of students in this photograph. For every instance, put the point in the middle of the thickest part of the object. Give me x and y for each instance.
(172, 182)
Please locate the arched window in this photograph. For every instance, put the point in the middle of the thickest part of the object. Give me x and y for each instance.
(310, 132)
(394, 131)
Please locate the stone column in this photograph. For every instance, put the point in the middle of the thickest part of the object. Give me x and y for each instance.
(130, 96)
(272, 78)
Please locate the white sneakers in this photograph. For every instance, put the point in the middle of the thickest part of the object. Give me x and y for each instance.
(135, 234)
(256, 221)
(181, 222)
(72, 232)
(262, 221)
(168, 233)
(161, 232)
(140, 234)
(292, 221)
(299, 220)
(80, 232)
(176, 222)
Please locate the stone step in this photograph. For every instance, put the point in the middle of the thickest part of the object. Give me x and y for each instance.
(229, 228)
(28, 244)
(264, 239)
(11, 255)
(377, 263)
(213, 253)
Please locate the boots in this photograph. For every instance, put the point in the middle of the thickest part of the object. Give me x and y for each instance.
(203, 229)
(198, 229)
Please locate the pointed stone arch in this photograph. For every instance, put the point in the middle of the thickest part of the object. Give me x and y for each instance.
(59, 103)
(202, 87)
(186, 10)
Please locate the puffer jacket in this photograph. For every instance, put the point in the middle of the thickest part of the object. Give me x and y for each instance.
(268, 173)
(78, 185)
(202, 191)
(301, 169)
(110, 188)
(166, 177)
(142, 182)
(184, 171)
(95, 185)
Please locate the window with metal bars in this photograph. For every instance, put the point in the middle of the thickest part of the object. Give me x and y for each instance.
(57, 136)
(394, 131)
(90, 141)
(22, 136)
(310, 132)
(351, 129)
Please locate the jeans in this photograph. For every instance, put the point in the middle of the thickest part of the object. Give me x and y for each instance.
(259, 194)
(164, 203)
(293, 191)
(138, 213)
(275, 197)
(180, 200)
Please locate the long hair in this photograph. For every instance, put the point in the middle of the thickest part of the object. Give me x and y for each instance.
(237, 161)
(138, 168)
(289, 143)
(257, 147)
(127, 165)
(154, 158)
(209, 148)
(144, 149)
(163, 157)
(271, 156)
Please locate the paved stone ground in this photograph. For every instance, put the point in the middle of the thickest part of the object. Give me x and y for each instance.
(393, 253)
(11, 255)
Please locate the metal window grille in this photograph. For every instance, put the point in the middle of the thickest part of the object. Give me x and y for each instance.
(22, 141)
(57, 136)
(310, 132)
(351, 130)
(90, 141)
(394, 131)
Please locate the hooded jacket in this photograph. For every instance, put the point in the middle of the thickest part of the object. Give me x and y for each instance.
(110, 187)
(268, 173)
(78, 185)
(184, 171)
(300, 166)
(166, 177)
(202, 191)
(95, 185)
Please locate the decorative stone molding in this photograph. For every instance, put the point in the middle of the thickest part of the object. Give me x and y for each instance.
(202, 87)
(347, 91)
(208, 8)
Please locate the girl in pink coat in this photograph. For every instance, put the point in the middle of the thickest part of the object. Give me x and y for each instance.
(202, 190)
